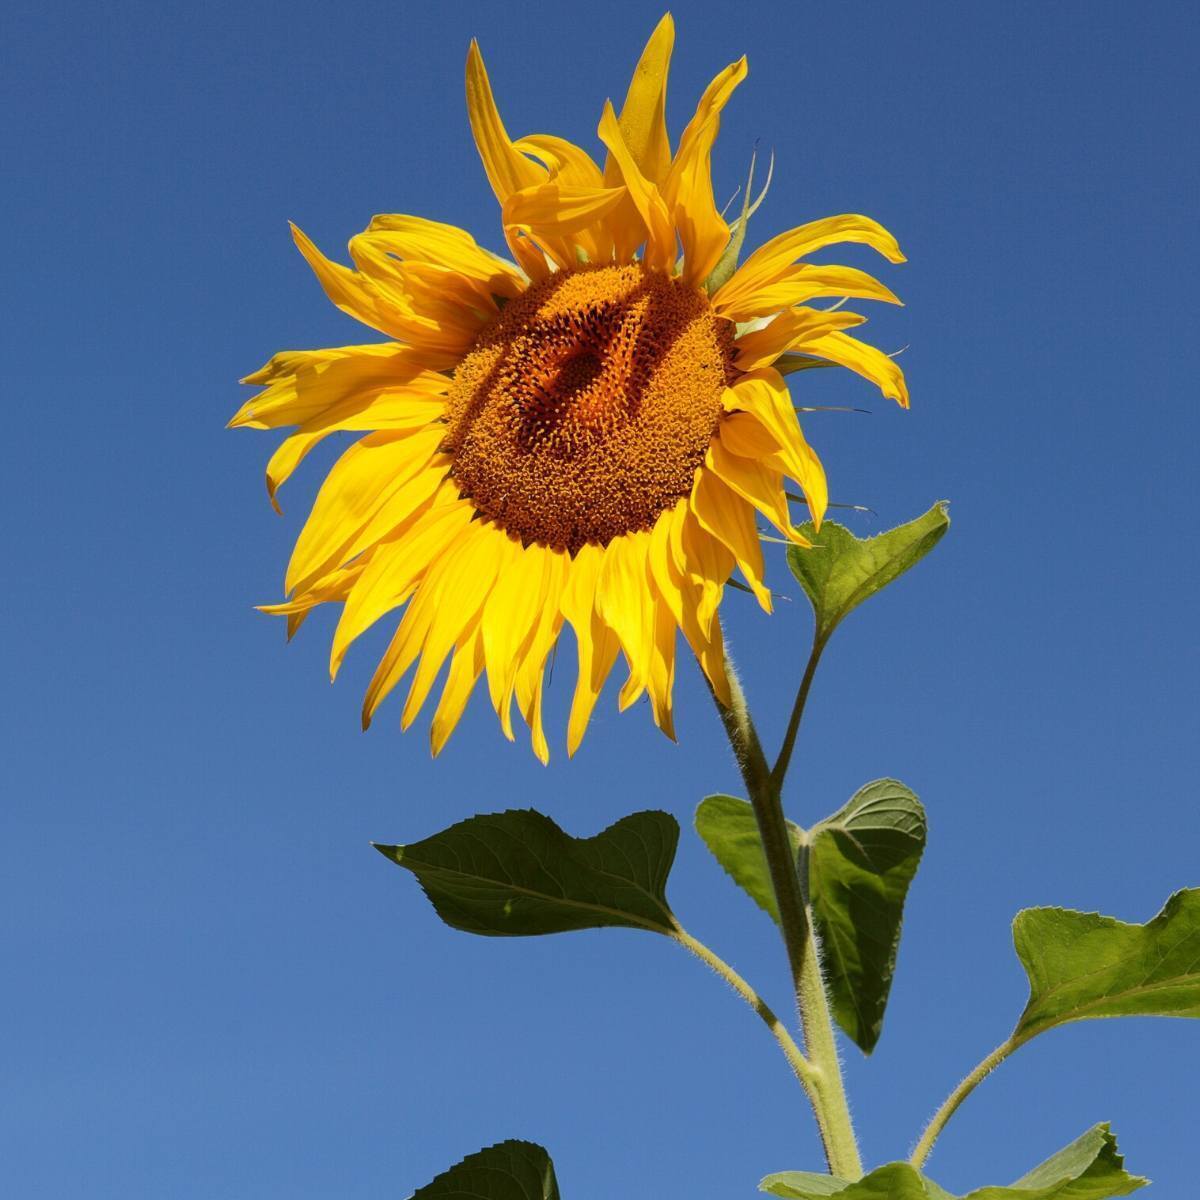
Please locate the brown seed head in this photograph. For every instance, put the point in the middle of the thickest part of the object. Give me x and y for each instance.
(585, 409)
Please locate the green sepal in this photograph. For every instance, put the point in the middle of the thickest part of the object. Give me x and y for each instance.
(516, 873)
(1090, 1168)
(840, 571)
(1083, 965)
(511, 1170)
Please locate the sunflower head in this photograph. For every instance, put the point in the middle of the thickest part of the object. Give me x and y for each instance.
(587, 433)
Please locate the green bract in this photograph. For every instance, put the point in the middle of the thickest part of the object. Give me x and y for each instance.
(840, 571)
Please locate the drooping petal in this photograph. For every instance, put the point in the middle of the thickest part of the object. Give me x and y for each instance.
(448, 604)
(765, 396)
(358, 484)
(465, 669)
(725, 515)
(624, 603)
(533, 659)
(758, 483)
(394, 571)
(598, 644)
(704, 561)
(509, 620)
(864, 360)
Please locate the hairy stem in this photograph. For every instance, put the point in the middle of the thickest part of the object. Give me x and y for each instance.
(796, 1060)
(826, 1092)
(956, 1097)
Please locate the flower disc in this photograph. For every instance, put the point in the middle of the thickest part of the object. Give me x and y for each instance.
(585, 409)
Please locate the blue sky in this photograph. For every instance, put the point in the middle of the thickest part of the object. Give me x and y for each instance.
(215, 988)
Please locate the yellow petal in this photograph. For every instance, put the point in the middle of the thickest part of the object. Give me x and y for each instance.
(643, 118)
(765, 396)
(533, 658)
(682, 600)
(704, 561)
(509, 620)
(508, 170)
(773, 258)
(558, 209)
(286, 459)
(730, 520)
(465, 669)
(789, 331)
(656, 228)
(798, 285)
(358, 484)
(598, 644)
(757, 483)
(703, 232)
(624, 603)
(661, 680)
(865, 360)
(351, 292)
(393, 572)
(449, 602)
(302, 384)
(445, 246)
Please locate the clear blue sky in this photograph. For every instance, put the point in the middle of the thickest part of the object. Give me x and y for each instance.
(214, 987)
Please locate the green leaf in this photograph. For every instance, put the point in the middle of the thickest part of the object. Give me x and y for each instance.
(730, 831)
(840, 571)
(509, 1171)
(516, 873)
(860, 863)
(1090, 1168)
(1083, 965)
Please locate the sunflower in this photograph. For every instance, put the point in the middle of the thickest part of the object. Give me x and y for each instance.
(585, 435)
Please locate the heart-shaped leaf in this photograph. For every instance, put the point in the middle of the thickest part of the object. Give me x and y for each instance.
(517, 873)
(729, 829)
(840, 571)
(1090, 1168)
(508, 1171)
(1083, 965)
(858, 865)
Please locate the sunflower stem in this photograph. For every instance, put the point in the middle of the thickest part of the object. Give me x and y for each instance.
(824, 1086)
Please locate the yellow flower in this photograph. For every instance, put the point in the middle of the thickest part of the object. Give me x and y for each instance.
(585, 436)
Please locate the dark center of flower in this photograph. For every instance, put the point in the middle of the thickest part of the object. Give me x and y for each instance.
(584, 410)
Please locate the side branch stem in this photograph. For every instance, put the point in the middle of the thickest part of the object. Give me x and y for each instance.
(779, 770)
(956, 1097)
(796, 1060)
(826, 1092)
